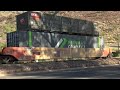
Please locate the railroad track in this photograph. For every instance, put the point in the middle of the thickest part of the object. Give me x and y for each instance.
(7, 59)
(117, 58)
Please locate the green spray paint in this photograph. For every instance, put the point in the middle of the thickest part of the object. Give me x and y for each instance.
(64, 42)
(70, 43)
(30, 38)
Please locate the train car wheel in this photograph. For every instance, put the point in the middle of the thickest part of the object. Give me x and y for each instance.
(9, 60)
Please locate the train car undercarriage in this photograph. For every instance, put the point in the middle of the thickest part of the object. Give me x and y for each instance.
(37, 54)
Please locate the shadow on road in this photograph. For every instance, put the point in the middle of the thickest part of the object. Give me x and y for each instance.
(109, 72)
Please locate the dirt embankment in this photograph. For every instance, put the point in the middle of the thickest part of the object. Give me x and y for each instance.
(46, 66)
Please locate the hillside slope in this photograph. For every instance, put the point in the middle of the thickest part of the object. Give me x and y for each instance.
(106, 22)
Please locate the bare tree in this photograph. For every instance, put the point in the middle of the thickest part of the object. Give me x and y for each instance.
(117, 35)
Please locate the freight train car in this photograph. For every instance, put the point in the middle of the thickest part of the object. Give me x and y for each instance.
(54, 40)
(68, 49)
(31, 43)
(21, 54)
(50, 23)
(43, 53)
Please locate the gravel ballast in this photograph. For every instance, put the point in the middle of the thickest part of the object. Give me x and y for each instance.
(46, 66)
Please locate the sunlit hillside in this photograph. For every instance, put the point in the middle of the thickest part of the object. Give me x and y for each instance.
(106, 22)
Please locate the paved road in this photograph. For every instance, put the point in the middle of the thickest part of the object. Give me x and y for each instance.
(109, 72)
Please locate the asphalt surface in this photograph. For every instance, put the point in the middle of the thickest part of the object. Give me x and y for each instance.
(106, 72)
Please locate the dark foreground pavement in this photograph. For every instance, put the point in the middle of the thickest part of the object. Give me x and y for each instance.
(105, 72)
